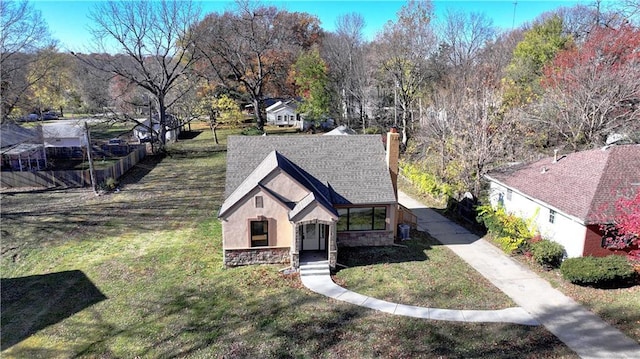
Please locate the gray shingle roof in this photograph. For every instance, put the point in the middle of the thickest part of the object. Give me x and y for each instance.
(583, 184)
(344, 169)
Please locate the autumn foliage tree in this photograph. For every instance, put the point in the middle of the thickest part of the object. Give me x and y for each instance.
(625, 232)
(252, 48)
(593, 90)
(310, 75)
(24, 41)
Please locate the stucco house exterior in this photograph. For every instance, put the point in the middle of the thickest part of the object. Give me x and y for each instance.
(570, 195)
(289, 194)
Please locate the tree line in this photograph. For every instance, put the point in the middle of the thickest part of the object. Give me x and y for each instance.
(465, 96)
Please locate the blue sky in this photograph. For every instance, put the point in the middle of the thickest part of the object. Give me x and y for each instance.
(68, 22)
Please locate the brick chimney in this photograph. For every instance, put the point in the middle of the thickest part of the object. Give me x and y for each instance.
(393, 152)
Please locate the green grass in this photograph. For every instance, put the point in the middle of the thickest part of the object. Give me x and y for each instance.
(620, 307)
(139, 274)
(421, 273)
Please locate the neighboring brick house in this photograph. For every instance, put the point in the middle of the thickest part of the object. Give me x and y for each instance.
(571, 195)
(288, 194)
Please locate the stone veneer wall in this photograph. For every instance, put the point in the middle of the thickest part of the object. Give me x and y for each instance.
(363, 239)
(239, 257)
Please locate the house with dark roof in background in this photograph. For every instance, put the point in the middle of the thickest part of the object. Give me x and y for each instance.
(572, 195)
(288, 194)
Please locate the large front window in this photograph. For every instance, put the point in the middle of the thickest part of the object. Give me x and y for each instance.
(259, 233)
(362, 219)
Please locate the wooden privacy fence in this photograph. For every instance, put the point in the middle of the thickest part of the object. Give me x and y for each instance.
(407, 217)
(72, 178)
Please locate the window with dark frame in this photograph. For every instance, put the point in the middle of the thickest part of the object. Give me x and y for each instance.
(259, 203)
(552, 216)
(259, 233)
(362, 219)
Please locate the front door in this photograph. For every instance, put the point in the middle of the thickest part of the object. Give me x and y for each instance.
(314, 236)
(310, 237)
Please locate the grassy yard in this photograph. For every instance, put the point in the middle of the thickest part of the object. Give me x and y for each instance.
(396, 274)
(619, 307)
(139, 273)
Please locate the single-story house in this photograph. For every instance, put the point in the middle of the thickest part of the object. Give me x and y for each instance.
(289, 194)
(284, 113)
(143, 133)
(571, 195)
(64, 135)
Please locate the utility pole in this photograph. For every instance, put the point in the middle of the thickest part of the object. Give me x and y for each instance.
(90, 158)
(513, 22)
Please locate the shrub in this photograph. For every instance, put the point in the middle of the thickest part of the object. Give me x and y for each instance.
(510, 231)
(610, 271)
(547, 253)
(251, 131)
(425, 182)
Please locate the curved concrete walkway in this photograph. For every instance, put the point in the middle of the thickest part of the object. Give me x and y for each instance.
(582, 331)
(315, 275)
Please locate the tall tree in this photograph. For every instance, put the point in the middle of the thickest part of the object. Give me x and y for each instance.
(594, 90)
(403, 47)
(154, 37)
(23, 38)
(540, 45)
(254, 45)
(56, 87)
(465, 35)
(344, 52)
(310, 76)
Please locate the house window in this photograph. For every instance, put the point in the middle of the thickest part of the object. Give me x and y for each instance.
(259, 233)
(509, 194)
(362, 219)
(259, 203)
(279, 118)
(552, 216)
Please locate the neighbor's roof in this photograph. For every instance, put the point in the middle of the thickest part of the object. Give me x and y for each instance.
(63, 131)
(583, 184)
(281, 105)
(12, 134)
(343, 169)
(341, 131)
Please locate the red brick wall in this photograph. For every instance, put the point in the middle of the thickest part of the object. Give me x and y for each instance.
(593, 244)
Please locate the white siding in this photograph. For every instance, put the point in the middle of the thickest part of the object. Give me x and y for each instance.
(565, 229)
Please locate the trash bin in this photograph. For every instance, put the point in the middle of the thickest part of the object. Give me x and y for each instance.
(404, 231)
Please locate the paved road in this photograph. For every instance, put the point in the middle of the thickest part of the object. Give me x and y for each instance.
(582, 331)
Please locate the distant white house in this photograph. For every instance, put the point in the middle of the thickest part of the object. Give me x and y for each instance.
(143, 134)
(64, 135)
(284, 113)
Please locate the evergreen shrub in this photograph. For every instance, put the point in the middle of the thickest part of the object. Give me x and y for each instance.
(547, 253)
(609, 272)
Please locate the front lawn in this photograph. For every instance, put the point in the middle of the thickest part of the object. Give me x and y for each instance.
(419, 272)
(139, 273)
